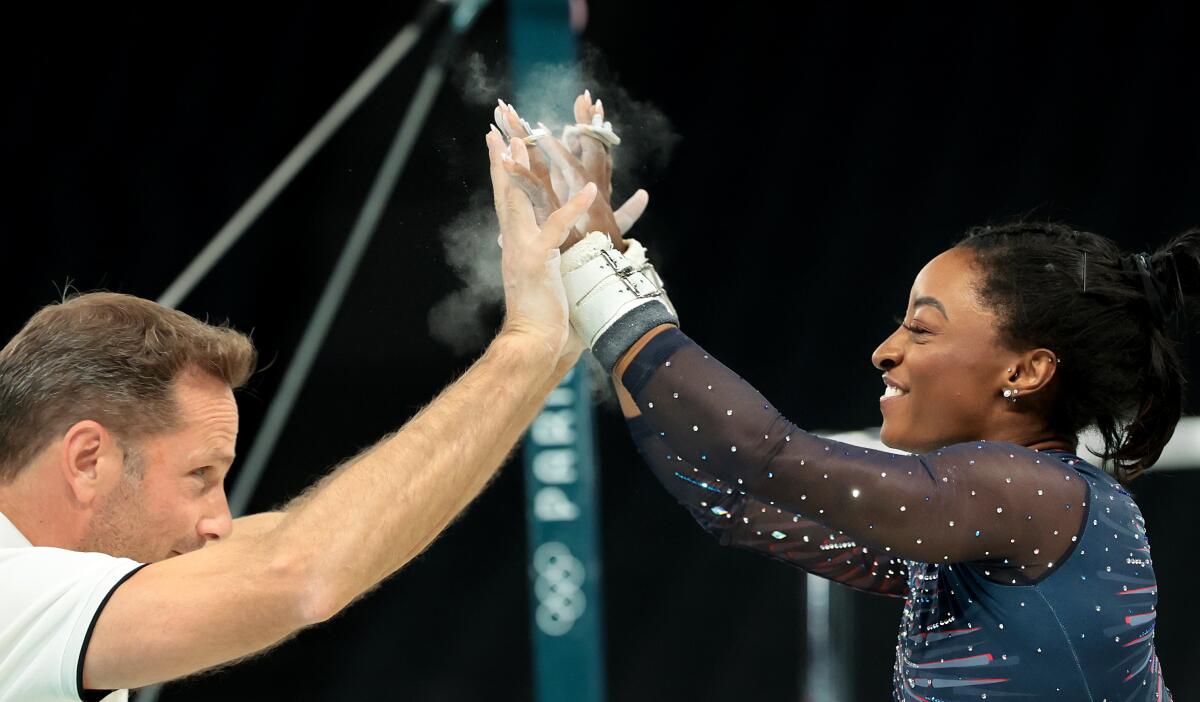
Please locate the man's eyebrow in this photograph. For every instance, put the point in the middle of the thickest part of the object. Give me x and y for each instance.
(222, 457)
(932, 302)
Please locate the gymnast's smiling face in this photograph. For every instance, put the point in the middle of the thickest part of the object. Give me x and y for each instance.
(945, 367)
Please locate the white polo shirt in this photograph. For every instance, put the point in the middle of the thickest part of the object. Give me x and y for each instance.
(49, 601)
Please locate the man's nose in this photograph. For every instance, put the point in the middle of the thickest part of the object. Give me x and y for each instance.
(217, 522)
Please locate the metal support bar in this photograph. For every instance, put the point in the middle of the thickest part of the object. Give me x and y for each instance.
(299, 156)
(331, 298)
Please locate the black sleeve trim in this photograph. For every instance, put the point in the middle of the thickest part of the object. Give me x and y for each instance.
(650, 357)
(96, 695)
(625, 332)
(639, 428)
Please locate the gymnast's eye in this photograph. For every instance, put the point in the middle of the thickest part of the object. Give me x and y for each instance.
(911, 328)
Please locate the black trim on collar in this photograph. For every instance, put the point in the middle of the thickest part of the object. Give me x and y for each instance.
(96, 695)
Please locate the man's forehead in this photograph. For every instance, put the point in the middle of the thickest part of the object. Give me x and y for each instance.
(209, 415)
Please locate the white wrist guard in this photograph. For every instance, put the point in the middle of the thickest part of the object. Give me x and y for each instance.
(612, 304)
(635, 253)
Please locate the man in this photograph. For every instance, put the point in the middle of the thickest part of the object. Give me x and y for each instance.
(117, 428)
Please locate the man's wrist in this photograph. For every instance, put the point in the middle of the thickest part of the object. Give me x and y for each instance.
(531, 345)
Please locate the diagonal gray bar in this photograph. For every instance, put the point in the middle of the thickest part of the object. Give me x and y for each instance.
(335, 290)
(299, 156)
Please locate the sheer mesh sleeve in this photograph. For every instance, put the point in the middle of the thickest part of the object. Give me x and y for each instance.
(1004, 505)
(738, 519)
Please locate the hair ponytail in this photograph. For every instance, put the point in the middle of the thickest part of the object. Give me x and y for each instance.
(1118, 318)
(1171, 280)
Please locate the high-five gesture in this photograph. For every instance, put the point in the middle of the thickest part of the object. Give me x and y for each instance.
(534, 298)
(557, 170)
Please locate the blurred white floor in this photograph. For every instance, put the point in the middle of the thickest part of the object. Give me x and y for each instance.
(1182, 453)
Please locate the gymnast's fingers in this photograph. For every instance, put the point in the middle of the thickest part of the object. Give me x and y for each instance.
(608, 153)
(495, 145)
(541, 199)
(632, 210)
(520, 153)
(594, 155)
(554, 175)
(569, 167)
(583, 108)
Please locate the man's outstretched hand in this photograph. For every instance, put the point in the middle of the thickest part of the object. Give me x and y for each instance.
(534, 299)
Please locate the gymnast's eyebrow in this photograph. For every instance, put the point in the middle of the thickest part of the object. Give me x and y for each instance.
(932, 302)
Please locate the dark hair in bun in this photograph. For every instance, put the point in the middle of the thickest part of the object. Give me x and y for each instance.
(1113, 318)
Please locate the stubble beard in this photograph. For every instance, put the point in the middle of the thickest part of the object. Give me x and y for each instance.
(118, 527)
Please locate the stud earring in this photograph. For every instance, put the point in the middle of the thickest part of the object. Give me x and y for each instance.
(1011, 394)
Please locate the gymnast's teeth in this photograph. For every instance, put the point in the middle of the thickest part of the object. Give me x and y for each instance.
(890, 391)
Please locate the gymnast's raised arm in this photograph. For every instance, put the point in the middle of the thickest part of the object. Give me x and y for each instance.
(975, 501)
(738, 519)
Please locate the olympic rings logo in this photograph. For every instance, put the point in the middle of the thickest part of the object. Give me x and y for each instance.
(558, 588)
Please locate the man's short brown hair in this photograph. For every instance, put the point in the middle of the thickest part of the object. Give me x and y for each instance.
(108, 357)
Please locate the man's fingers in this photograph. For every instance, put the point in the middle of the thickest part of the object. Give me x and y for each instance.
(495, 144)
(518, 216)
(632, 210)
(542, 201)
(517, 127)
(520, 153)
(558, 183)
(500, 117)
(510, 121)
(558, 225)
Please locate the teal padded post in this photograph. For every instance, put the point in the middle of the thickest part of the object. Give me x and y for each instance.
(563, 558)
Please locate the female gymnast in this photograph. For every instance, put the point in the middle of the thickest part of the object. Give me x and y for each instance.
(1025, 570)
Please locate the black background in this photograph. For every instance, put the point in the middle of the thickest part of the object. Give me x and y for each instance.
(825, 153)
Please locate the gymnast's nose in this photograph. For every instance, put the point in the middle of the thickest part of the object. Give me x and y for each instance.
(889, 354)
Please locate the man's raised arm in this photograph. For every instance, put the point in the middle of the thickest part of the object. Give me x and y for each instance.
(365, 520)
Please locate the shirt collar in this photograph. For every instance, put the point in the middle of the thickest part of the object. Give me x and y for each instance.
(10, 536)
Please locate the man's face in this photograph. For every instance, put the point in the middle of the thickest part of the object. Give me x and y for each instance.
(171, 497)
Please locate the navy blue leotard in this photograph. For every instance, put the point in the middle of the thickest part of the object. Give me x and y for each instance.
(1025, 574)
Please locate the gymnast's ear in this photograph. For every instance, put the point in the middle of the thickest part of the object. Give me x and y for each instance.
(1031, 372)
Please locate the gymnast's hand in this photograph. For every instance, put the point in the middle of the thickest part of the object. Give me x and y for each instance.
(534, 299)
(584, 159)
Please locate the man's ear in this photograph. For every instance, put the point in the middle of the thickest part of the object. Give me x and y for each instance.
(90, 456)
